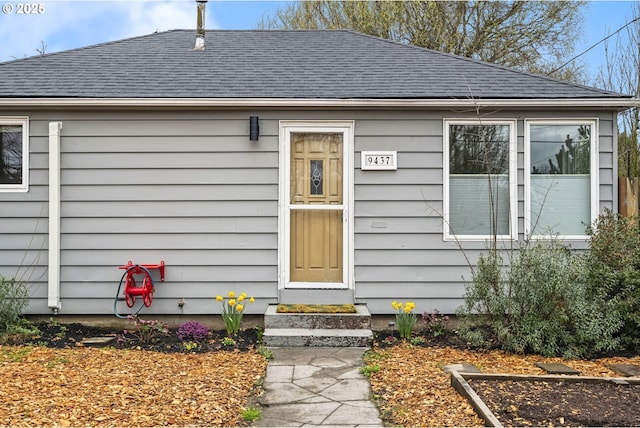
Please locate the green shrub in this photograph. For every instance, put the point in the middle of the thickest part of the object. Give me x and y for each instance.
(537, 303)
(14, 297)
(613, 262)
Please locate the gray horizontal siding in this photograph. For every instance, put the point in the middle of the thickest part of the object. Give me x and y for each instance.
(412, 290)
(186, 188)
(177, 257)
(181, 145)
(395, 192)
(413, 273)
(189, 188)
(172, 160)
(143, 175)
(24, 218)
(161, 192)
(174, 241)
(181, 224)
(181, 275)
(164, 290)
(175, 208)
(400, 252)
(398, 224)
(411, 258)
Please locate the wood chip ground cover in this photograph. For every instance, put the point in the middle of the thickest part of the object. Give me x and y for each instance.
(79, 386)
(112, 387)
(412, 389)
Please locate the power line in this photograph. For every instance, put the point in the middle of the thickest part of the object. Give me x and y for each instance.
(595, 44)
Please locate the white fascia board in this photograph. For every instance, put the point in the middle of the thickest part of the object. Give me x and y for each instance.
(621, 103)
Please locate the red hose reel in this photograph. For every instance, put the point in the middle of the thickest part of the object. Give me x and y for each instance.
(145, 288)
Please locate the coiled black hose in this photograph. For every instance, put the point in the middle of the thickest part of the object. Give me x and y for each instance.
(115, 302)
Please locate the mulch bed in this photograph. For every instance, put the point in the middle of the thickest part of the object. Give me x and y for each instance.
(54, 381)
(55, 335)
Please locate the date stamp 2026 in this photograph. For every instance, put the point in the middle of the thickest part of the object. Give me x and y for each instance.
(23, 8)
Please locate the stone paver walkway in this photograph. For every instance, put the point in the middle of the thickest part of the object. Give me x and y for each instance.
(306, 387)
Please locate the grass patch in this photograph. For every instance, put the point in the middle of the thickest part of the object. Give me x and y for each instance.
(250, 414)
(368, 369)
(16, 355)
(316, 309)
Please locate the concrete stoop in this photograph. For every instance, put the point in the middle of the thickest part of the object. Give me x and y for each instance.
(326, 330)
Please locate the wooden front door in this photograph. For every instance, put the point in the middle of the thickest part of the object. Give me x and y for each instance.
(316, 226)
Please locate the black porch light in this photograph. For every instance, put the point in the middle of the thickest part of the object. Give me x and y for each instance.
(254, 128)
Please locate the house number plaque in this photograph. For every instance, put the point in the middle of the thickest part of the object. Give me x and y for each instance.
(379, 161)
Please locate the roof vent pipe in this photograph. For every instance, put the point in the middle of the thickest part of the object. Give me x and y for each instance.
(200, 26)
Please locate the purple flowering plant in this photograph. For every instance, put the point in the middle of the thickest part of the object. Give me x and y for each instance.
(192, 330)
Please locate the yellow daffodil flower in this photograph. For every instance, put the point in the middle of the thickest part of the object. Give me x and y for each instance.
(232, 310)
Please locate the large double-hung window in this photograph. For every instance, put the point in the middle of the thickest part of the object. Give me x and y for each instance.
(480, 173)
(14, 154)
(560, 177)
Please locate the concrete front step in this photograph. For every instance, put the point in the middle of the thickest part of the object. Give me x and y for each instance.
(332, 330)
(359, 320)
(292, 337)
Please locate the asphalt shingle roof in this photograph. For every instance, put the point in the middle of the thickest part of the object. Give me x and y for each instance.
(335, 64)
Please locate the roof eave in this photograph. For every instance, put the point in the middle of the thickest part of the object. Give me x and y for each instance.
(614, 102)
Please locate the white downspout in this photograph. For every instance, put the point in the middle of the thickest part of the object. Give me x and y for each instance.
(54, 216)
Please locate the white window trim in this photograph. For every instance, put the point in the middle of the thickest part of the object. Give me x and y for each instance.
(513, 179)
(24, 122)
(594, 173)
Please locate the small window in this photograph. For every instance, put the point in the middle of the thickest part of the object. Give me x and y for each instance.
(479, 180)
(317, 177)
(562, 177)
(14, 155)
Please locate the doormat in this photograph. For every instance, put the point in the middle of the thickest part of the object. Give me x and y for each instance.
(316, 309)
